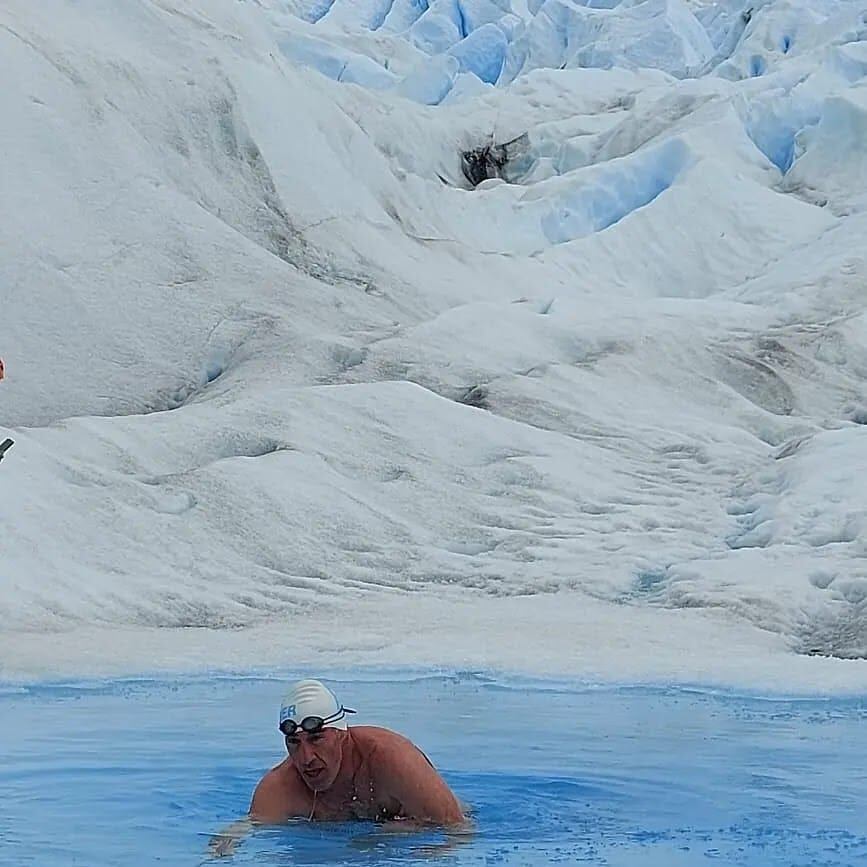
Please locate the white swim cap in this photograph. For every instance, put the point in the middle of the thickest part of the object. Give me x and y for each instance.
(313, 698)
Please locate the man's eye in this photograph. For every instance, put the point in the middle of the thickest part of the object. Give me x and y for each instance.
(292, 741)
(315, 737)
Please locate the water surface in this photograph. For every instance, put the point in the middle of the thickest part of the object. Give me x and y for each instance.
(141, 772)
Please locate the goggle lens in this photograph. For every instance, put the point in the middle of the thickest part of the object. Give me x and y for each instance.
(312, 724)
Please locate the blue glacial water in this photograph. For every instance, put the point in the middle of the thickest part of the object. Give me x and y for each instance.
(141, 772)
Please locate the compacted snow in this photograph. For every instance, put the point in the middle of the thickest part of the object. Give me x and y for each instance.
(523, 334)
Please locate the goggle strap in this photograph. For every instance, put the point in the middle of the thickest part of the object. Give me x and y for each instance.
(323, 721)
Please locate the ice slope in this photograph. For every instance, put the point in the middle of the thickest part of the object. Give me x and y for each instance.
(272, 363)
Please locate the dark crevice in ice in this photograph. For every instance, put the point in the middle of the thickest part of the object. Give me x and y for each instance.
(493, 160)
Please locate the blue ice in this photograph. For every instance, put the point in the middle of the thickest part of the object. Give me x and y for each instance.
(368, 73)
(361, 13)
(613, 193)
(477, 13)
(430, 82)
(337, 63)
(403, 14)
(850, 61)
(773, 125)
(482, 52)
(758, 65)
(439, 28)
(142, 772)
(313, 10)
(309, 51)
(777, 144)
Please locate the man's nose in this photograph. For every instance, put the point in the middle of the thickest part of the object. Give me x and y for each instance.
(304, 753)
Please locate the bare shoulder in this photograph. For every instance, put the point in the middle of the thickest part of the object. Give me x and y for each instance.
(273, 781)
(388, 749)
(406, 775)
(279, 795)
(384, 742)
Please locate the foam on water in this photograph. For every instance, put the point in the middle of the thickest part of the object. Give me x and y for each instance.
(120, 772)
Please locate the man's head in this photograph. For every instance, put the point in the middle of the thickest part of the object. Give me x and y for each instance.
(313, 722)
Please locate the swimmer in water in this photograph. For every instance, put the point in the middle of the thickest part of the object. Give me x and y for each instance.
(337, 773)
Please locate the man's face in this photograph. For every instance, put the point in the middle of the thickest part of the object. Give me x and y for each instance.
(317, 756)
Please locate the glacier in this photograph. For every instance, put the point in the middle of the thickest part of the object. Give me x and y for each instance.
(286, 386)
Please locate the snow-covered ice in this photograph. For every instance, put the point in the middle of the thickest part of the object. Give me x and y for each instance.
(285, 387)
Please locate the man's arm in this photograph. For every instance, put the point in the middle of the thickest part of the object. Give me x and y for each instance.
(407, 776)
(273, 803)
(272, 800)
(224, 842)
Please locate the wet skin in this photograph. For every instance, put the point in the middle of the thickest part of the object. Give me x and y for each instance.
(364, 772)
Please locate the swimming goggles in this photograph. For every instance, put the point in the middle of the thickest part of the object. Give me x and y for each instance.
(312, 724)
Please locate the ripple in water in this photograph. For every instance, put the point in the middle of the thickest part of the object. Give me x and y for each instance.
(140, 772)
